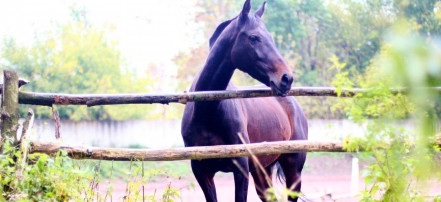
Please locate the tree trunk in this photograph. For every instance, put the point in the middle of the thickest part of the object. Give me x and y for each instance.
(9, 111)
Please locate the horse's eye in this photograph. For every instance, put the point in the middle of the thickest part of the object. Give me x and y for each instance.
(253, 38)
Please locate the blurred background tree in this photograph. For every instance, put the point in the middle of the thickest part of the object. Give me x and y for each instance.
(77, 57)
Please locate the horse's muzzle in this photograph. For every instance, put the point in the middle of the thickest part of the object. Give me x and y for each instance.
(285, 82)
(283, 90)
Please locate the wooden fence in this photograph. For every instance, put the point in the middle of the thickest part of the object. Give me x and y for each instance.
(12, 97)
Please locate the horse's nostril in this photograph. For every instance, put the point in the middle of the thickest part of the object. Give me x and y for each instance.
(286, 80)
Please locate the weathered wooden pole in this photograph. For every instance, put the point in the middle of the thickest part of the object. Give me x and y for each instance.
(49, 99)
(9, 111)
(202, 152)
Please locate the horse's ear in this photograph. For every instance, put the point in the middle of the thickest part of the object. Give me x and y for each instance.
(261, 10)
(245, 11)
(218, 31)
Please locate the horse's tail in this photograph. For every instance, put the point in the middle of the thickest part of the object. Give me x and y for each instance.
(280, 175)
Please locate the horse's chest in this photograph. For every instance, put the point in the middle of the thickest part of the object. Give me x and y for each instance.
(217, 127)
(206, 134)
(203, 137)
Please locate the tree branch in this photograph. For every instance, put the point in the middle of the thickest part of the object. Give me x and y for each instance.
(24, 145)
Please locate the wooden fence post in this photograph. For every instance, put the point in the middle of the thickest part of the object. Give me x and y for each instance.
(9, 110)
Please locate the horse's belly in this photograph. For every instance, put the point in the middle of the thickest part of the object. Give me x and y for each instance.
(267, 123)
(263, 135)
(264, 160)
(269, 128)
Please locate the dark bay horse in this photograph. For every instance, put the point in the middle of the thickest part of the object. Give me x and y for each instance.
(244, 43)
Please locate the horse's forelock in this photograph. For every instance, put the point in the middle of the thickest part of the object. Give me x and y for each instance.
(218, 31)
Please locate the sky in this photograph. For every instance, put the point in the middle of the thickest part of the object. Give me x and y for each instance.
(148, 31)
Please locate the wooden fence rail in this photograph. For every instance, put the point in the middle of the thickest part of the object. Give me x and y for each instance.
(201, 152)
(48, 99)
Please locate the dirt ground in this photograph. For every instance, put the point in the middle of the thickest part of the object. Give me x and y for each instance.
(324, 179)
(313, 187)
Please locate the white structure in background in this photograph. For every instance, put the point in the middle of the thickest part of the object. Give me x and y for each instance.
(355, 176)
(158, 134)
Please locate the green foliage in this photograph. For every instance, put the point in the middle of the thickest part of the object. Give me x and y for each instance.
(170, 193)
(425, 15)
(45, 179)
(136, 177)
(272, 195)
(403, 159)
(60, 178)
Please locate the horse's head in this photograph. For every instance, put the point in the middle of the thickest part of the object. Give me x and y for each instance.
(255, 53)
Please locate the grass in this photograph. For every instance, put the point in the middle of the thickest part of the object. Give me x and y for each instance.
(121, 169)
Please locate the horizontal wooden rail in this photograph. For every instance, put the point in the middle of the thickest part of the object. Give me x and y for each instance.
(48, 99)
(207, 152)
(200, 152)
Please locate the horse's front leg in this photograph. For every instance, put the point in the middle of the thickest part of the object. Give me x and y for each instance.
(205, 180)
(241, 173)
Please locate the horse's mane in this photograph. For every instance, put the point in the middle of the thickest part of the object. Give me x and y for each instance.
(218, 31)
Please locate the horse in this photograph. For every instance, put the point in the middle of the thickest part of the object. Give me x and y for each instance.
(244, 43)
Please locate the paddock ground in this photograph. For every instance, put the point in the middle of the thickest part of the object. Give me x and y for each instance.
(314, 187)
(325, 178)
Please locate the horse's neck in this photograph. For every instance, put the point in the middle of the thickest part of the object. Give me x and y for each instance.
(215, 75)
(217, 71)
